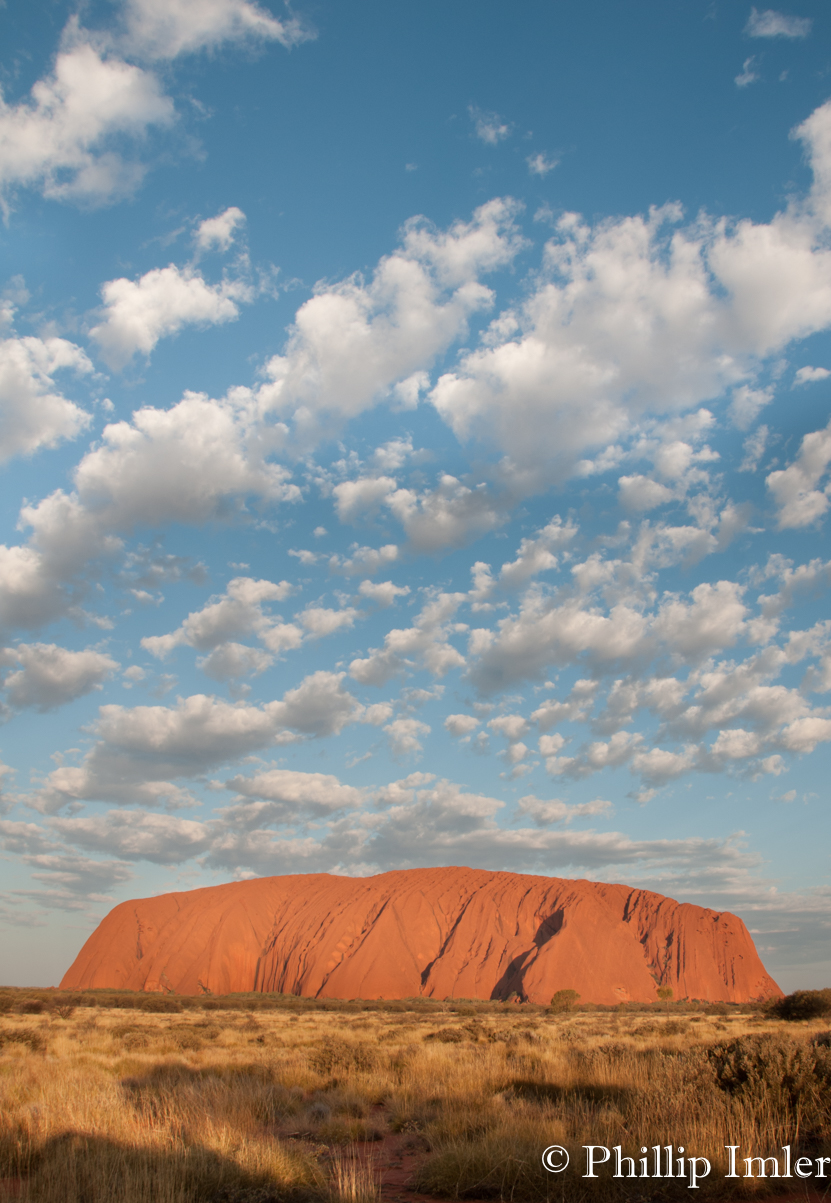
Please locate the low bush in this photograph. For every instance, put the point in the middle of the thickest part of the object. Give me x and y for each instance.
(803, 1004)
(564, 1000)
(342, 1056)
(31, 1006)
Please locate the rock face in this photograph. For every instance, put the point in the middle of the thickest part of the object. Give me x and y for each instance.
(440, 933)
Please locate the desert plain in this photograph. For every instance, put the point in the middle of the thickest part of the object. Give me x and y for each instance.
(116, 1096)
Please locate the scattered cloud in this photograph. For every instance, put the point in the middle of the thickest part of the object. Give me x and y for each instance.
(285, 794)
(425, 644)
(600, 353)
(218, 233)
(364, 559)
(165, 29)
(754, 449)
(771, 24)
(235, 614)
(405, 735)
(489, 127)
(747, 403)
(353, 341)
(384, 593)
(748, 75)
(191, 463)
(319, 621)
(540, 164)
(69, 137)
(460, 724)
(141, 752)
(808, 375)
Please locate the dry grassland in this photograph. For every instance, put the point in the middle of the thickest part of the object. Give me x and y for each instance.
(308, 1104)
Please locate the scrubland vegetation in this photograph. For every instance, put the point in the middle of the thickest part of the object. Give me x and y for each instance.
(108, 1098)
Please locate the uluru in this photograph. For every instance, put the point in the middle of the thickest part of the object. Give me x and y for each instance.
(438, 933)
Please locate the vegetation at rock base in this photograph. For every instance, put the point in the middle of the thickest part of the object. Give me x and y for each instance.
(257, 1099)
(802, 1004)
(565, 1000)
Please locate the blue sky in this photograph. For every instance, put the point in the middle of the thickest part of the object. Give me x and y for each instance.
(416, 445)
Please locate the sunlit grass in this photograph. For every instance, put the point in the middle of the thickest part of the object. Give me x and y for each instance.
(290, 1102)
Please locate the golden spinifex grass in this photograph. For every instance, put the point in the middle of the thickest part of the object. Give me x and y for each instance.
(292, 1102)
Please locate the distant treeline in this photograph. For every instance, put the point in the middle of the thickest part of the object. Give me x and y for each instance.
(802, 1004)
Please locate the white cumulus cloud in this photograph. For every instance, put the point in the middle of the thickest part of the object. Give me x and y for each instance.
(51, 676)
(141, 752)
(460, 724)
(137, 313)
(405, 735)
(808, 375)
(33, 413)
(233, 615)
(799, 502)
(287, 793)
(192, 463)
(62, 138)
(354, 341)
(217, 233)
(643, 316)
(383, 593)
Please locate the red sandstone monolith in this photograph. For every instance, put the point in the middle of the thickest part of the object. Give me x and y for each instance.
(440, 933)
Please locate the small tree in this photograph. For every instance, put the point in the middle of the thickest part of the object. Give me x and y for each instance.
(665, 993)
(564, 1000)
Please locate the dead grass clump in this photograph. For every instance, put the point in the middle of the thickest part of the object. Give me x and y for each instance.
(342, 1056)
(194, 1037)
(31, 1038)
(353, 1178)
